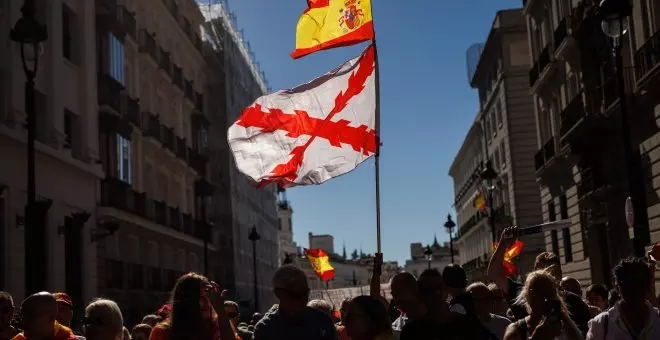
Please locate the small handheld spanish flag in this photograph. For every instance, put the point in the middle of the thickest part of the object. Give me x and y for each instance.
(327, 24)
(320, 263)
(512, 252)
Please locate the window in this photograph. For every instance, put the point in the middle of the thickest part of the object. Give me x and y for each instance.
(493, 124)
(69, 43)
(124, 159)
(502, 155)
(116, 66)
(498, 112)
(563, 207)
(487, 128)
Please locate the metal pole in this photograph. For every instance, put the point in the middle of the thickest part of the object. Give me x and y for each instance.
(206, 237)
(33, 262)
(451, 247)
(377, 156)
(635, 175)
(256, 289)
(491, 214)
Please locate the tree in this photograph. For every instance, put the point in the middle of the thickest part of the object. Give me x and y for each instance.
(354, 255)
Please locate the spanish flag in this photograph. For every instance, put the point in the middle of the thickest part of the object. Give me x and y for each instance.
(320, 263)
(512, 252)
(480, 203)
(327, 24)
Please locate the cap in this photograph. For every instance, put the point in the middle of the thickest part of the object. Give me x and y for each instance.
(64, 298)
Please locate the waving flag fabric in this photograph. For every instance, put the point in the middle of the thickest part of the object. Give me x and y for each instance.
(480, 202)
(328, 24)
(320, 263)
(314, 132)
(512, 252)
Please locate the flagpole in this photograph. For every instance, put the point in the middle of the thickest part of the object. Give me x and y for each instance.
(377, 156)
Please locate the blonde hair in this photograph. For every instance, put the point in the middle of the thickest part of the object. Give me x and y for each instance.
(533, 277)
(108, 311)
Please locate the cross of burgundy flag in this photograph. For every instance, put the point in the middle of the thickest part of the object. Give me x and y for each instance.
(313, 132)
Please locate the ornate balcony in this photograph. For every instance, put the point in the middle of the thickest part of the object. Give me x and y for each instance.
(165, 63)
(174, 218)
(188, 90)
(153, 127)
(120, 195)
(169, 139)
(545, 155)
(647, 59)
(160, 212)
(181, 149)
(133, 111)
(538, 71)
(109, 93)
(471, 223)
(148, 44)
(177, 76)
(572, 116)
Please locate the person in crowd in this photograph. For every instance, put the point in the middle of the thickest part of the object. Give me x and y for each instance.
(393, 310)
(103, 321)
(7, 330)
(39, 319)
(231, 308)
(126, 335)
(368, 319)
(577, 308)
(141, 331)
(572, 285)
(612, 298)
(321, 306)
(341, 325)
(292, 319)
(439, 323)
(403, 287)
(501, 306)
(597, 296)
(164, 312)
(484, 305)
(256, 317)
(197, 312)
(151, 320)
(455, 281)
(543, 321)
(65, 311)
(632, 317)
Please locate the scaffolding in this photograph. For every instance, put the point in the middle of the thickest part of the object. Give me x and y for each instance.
(218, 12)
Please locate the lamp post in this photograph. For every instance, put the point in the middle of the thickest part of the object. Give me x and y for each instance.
(254, 237)
(488, 176)
(30, 34)
(429, 255)
(450, 225)
(614, 15)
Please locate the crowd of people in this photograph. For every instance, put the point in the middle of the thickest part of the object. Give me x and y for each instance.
(438, 305)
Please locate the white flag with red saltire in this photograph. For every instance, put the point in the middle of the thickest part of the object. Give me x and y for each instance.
(313, 132)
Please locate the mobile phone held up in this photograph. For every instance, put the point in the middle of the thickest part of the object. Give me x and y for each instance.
(553, 311)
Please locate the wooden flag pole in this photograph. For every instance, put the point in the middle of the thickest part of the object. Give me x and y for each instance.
(377, 160)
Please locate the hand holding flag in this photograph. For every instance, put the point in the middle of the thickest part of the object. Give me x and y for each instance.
(510, 253)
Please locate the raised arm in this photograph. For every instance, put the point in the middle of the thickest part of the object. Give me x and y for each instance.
(374, 284)
(495, 271)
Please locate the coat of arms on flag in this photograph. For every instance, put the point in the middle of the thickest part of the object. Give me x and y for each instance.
(313, 132)
(320, 262)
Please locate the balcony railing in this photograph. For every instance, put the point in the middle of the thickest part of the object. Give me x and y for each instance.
(648, 56)
(160, 212)
(109, 92)
(148, 44)
(175, 218)
(177, 76)
(165, 63)
(153, 126)
(197, 161)
(169, 139)
(129, 23)
(609, 92)
(572, 115)
(471, 223)
(120, 195)
(541, 63)
(188, 227)
(590, 181)
(547, 152)
(561, 32)
(133, 110)
(199, 101)
(181, 149)
(188, 90)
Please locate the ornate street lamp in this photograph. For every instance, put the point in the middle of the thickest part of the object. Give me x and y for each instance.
(488, 176)
(254, 237)
(429, 255)
(30, 34)
(614, 15)
(449, 226)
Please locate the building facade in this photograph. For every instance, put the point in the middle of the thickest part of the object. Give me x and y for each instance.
(507, 122)
(151, 76)
(288, 250)
(325, 242)
(419, 261)
(248, 206)
(576, 96)
(67, 149)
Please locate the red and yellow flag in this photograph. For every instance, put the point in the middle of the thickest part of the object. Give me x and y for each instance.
(512, 252)
(480, 203)
(327, 24)
(320, 263)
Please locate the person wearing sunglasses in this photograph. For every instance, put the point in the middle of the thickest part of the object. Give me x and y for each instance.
(38, 319)
(292, 319)
(7, 331)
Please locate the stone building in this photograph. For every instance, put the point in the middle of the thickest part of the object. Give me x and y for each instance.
(506, 121)
(580, 163)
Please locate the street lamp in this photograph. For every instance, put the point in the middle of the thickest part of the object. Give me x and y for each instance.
(287, 259)
(254, 237)
(429, 255)
(450, 225)
(488, 176)
(30, 34)
(614, 15)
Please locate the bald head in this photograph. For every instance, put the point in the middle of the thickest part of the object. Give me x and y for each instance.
(572, 285)
(41, 302)
(38, 315)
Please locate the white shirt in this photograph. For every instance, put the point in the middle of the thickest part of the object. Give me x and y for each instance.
(617, 330)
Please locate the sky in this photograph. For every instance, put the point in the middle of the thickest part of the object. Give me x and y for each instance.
(427, 107)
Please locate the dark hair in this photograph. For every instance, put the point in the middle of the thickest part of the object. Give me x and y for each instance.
(6, 297)
(185, 320)
(633, 274)
(546, 257)
(453, 276)
(613, 297)
(373, 308)
(599, 290)
(231, 304)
